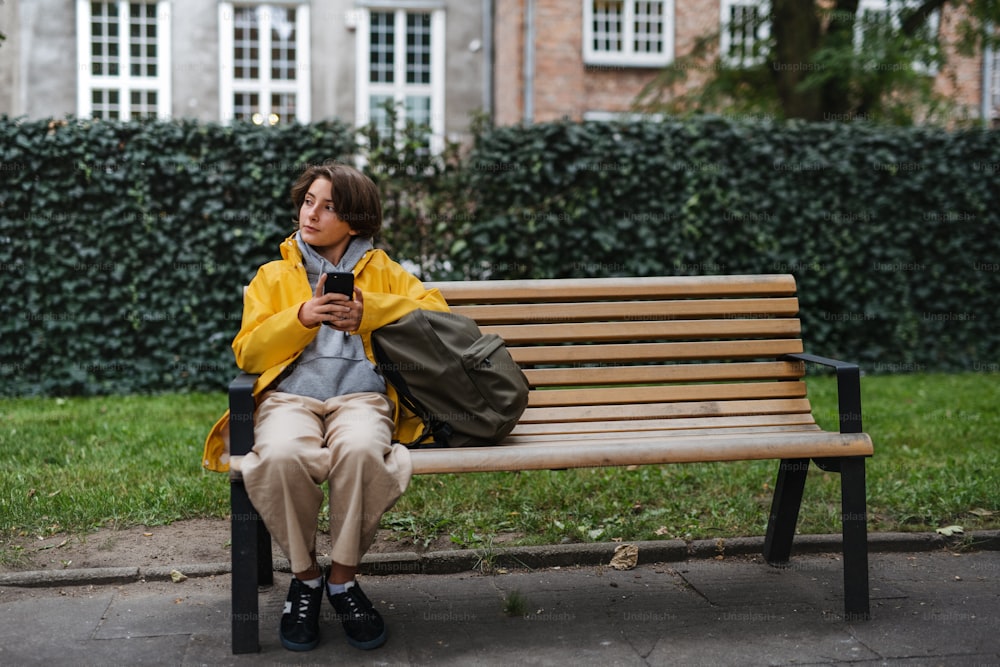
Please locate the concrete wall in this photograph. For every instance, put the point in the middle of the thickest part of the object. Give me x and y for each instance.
(465, 87)
(194, 75)
(333, 60)
(10, 80)
(41, 61)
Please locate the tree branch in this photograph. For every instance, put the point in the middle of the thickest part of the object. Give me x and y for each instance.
(918, 17)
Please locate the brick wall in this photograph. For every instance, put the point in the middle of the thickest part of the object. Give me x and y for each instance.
(961, 78)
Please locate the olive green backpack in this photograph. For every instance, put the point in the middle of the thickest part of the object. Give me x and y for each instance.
(463, 384)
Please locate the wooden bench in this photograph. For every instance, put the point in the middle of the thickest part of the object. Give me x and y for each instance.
(635, 371)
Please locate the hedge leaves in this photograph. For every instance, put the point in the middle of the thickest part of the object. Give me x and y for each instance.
(123, 246)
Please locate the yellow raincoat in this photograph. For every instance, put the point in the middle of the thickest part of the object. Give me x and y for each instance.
(272, 337)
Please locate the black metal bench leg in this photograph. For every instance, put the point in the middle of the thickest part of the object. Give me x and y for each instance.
(785, 510)
(265, 561)
(246, 570)
(855, 526)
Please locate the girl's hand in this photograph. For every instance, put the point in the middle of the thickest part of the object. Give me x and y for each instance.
(336, 310)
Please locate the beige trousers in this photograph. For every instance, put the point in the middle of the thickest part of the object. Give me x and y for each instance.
(301, 442)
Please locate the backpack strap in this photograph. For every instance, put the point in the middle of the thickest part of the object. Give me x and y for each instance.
(433, 428)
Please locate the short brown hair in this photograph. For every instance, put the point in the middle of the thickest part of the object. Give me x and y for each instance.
(355, 196)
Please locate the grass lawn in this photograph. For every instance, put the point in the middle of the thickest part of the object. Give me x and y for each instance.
(70, 465)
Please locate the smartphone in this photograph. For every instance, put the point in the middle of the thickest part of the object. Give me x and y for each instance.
(340, 282)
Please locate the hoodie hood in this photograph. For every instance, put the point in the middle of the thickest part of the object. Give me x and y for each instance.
(316, 265)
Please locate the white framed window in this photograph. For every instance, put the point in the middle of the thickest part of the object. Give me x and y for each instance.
(877, 19)
(631, 33)
(400, 60)
(264, 63)
(744, 28)
(123, 57)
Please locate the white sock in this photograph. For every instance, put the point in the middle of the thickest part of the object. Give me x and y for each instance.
(336, 589)
(313, 583)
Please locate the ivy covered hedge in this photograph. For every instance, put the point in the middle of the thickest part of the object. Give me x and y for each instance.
(123, 247)
(893, 234)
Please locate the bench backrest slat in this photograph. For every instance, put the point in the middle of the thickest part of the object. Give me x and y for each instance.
(568, 332)
(596, 289)
(669, 393)
(576, 413)
(636, 352)
(607, 374)
(679, 309)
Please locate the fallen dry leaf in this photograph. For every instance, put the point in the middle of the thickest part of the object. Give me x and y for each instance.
(626, 557)
(177, 576)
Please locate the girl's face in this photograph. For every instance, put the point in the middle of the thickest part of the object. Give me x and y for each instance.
(319, 224)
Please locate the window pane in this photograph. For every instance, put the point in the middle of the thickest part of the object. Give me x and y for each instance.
(105, 104)
(876, 26)
(418, 48)
(744, 25)
(418, 109)
(382, 47)
(379, 115)
(104, 38)
(142, 39)
(648, 35)
(246, 107)
(607, 25)
(246, 43)
(418, 112)
(282, 108)
(283, 44)
(143, 104)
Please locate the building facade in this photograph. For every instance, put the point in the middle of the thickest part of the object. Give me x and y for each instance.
(439, 61)
(260, 62)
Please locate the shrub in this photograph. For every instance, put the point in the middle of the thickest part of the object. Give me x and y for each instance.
(123, 246)
(892, 233)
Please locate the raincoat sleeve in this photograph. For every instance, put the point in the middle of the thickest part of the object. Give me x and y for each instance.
(396, 293)
(271, 333)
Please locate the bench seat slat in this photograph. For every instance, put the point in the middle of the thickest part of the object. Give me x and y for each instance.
(635, 352)
(665, 410)
(673, 393)
(595, 289)
(515, 334)
(746, 421)
(607, 375)
(627, 450)
(628, 310)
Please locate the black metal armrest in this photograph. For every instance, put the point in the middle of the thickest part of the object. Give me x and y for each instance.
(848, 389)
(241, 409)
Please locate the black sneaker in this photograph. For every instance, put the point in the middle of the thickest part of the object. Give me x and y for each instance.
(364, 626)
(300, 620)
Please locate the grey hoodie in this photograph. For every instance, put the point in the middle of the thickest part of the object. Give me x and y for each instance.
(334, 363)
